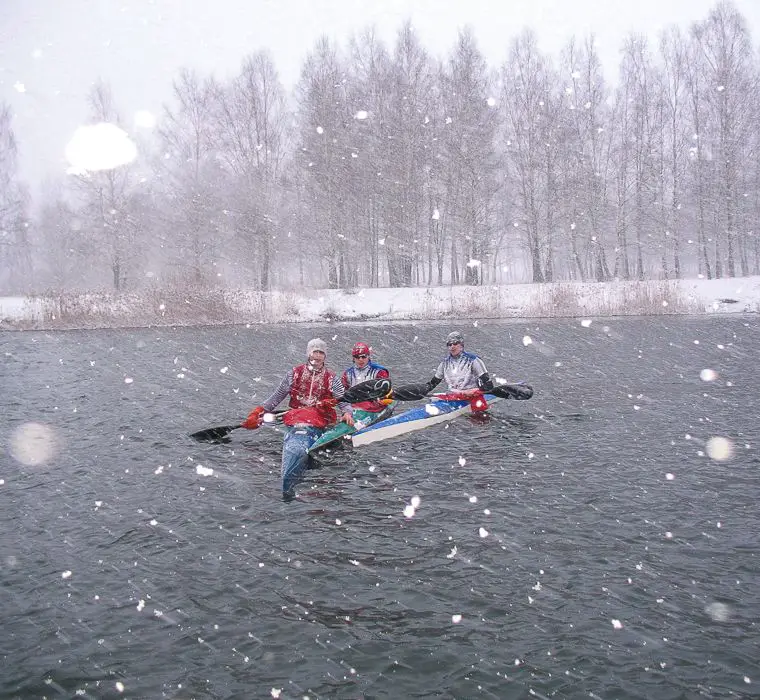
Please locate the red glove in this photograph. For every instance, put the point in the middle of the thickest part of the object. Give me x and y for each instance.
(255, 418)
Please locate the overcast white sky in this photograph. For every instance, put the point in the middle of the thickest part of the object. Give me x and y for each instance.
(56, 49)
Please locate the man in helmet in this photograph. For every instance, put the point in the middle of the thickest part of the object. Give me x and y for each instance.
(464, 372)
(363, 369)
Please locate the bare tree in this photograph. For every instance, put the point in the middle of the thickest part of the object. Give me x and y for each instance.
(642, 90)
(324, 135)
(532, 148)
(673, 51)
(587, 158)
(253, 139)
(104, 203)
(192, 179)
(469, 133)
(15, 250)
(64, 250)
(725, 50)
(368, 89)
(405, 134)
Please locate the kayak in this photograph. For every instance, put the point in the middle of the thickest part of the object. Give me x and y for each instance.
(362, 419)
(301, 441)
(417, 418)
(295, 456)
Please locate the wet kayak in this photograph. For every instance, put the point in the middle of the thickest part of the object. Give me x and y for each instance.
(362, 419)
(417, 418)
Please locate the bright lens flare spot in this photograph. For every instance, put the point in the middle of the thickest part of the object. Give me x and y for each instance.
(98, 147)
(708, 375)
(144, 119)
(33, 444)
(719, 612)
(719, 448)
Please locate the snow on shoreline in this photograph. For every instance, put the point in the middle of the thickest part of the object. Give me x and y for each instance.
(208, 307)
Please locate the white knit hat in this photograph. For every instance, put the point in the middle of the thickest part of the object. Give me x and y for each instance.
(316, 344)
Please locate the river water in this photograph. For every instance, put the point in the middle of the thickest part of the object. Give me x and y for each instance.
(600, 540)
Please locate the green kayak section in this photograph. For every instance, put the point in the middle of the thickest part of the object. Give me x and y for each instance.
(362, 419)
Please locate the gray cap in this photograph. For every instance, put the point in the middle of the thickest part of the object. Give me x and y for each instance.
(454, 337)
(316, 344)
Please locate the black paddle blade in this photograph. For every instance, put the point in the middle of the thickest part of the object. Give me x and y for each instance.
(367, 391)
(410, 392)
(520, 392)
(211, 434)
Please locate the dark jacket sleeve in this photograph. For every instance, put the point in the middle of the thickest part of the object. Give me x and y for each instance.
(433, 383)
(484, 382)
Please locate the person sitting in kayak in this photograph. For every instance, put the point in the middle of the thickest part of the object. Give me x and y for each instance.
(464, 372)
(363, 369)
(313, 390)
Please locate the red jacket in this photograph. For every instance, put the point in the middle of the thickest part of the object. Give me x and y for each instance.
(311, 398)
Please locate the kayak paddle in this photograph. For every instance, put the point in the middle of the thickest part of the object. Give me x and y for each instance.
(416, 392)
(366, 391)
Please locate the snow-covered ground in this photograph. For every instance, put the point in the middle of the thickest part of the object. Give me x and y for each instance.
(693, 296)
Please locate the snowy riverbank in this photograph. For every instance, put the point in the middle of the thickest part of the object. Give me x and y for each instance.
(207, 307)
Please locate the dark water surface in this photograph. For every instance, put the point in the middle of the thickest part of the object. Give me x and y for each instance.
(580, 545)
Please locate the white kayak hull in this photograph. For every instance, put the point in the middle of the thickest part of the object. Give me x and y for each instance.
(414, 419)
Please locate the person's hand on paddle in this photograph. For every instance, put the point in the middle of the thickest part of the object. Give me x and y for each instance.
(255, 418)
(348, 419)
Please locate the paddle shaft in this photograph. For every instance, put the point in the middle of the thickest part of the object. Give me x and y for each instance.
(366, 391)
(417, 392)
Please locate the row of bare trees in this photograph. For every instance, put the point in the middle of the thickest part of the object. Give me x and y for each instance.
(385, 167)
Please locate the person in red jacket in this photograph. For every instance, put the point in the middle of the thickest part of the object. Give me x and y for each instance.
(362, 370)
(313, 392)
(310, 387)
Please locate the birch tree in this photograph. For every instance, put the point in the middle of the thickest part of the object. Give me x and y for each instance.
(15, 249)
(469, 134)
(192, 178)
(253, 140)
(724, 47)
(104, 199)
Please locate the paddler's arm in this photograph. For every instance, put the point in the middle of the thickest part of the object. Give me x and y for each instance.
(280, 393)
(345, 409)
(480, 371)
(256, 416)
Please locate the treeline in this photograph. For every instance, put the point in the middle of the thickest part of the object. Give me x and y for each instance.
(385, 167)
